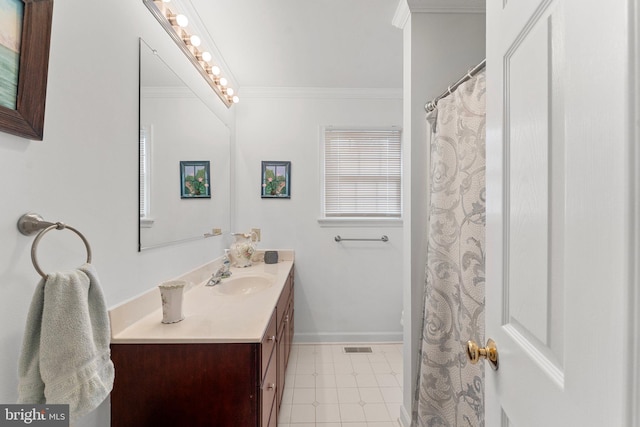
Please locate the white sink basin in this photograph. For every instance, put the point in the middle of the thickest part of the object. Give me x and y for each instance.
(244, 285)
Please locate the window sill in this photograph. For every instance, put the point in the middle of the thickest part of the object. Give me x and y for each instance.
(146, 222)
(360, 222)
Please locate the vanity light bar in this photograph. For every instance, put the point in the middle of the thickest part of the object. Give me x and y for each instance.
(175, 24)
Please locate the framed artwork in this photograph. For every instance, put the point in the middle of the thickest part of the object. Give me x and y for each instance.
(194, 180)
(25, 33)
(276, 180)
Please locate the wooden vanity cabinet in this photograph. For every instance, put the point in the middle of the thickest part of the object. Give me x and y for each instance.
(285, 333)
(205, 384)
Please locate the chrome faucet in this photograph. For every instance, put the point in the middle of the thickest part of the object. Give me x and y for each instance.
(216, 277)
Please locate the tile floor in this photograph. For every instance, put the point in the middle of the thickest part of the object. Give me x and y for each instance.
(325, 387)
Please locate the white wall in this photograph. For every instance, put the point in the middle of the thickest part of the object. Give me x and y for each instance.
(344, 291)
(182, 128)
(438, 49)
(83, 173)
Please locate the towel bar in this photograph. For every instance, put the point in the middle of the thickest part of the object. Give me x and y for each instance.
(381, 239)
(31, 223)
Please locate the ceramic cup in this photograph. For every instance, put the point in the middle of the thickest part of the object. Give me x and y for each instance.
(171, 294)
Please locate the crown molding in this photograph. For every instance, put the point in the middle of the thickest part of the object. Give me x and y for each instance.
(254, 92)
(447, 6)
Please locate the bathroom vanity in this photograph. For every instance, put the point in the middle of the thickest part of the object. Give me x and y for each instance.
(223, 365)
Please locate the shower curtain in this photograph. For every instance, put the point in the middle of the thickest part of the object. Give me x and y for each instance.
(450, 391)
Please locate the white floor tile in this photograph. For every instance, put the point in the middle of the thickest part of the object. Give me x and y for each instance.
(348, 395)
(306, 368)
(391, 394)
(394, 410)
(387, 380)
(284, 415)
(376, 412)
(345, 380)
(304, 381)
(381, 368)
(351, 412)
(325, 368)
(362, 367)
(303, 414)
(327, 395)
(328, 413)
(367, 380)
(325, 381)
(324, 387)
(287, 394)
(342, 368)
(304, 396)
(371, 395)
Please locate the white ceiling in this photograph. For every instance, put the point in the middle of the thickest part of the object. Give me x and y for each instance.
(306, 43)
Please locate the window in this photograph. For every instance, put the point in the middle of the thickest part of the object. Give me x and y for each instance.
(144, 180)
(362, 173)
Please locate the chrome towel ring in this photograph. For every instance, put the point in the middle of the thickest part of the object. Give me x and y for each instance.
(31, 223)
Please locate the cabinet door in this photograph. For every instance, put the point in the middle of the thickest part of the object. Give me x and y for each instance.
(185, 384)
(269, 392)
(282, 367)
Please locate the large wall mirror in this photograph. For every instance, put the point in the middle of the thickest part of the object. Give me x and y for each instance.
(184, 157)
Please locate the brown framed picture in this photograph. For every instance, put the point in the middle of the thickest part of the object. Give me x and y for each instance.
(25, 34)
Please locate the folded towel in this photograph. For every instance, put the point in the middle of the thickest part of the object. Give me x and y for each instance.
(65, 353)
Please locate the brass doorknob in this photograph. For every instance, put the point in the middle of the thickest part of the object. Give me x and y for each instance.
(490, 352)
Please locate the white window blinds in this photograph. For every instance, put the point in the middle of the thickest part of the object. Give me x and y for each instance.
(144, 174)
(362, 173)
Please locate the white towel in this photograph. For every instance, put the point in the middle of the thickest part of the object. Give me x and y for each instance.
(65, 354)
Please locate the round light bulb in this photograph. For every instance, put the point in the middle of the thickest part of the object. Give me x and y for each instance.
(215, 70)
(206, 56)
(182, 21)
(236, 99)
(223, 81)
(195, 40)
(229, 91)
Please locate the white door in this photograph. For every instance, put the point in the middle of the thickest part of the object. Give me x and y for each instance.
(559, 213)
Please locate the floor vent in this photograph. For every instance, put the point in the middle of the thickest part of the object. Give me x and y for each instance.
(351, 350)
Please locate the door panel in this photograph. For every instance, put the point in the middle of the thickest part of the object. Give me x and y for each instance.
(534, 173)
(558, 212)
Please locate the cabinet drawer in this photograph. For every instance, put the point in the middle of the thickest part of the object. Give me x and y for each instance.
(268, 344)
(269, 390)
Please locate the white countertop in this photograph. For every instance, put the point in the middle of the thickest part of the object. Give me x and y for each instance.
(210, 317)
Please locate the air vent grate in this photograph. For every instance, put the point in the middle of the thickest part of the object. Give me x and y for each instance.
(352, 350)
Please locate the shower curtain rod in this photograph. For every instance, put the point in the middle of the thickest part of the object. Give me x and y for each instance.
(431, 105)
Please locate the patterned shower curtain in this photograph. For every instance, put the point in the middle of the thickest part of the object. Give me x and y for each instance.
(450, 391)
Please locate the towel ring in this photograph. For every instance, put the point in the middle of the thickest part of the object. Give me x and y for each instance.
(30, 223)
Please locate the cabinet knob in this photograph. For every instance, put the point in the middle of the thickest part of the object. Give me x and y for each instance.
(271, 338)
(286, 318)
(271, 387)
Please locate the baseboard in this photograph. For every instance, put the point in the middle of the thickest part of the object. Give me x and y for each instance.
(347, 337)
(405, 418)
